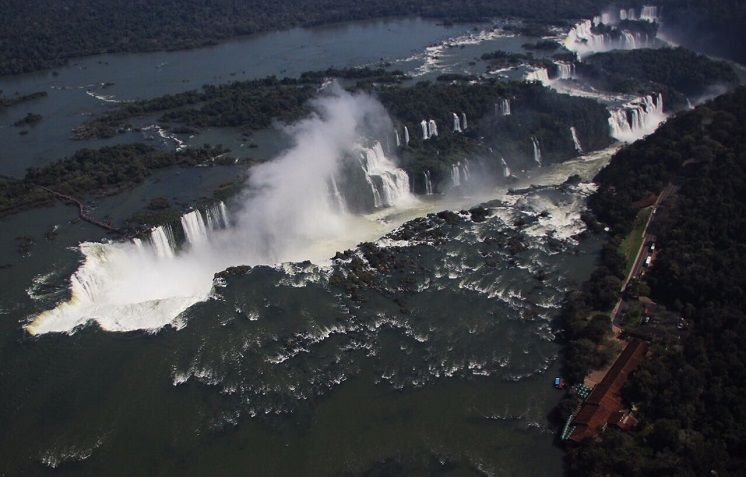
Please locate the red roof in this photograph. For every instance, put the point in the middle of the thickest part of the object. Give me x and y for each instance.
(605, 401)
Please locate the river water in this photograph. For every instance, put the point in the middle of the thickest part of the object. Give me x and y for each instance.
(443, 368)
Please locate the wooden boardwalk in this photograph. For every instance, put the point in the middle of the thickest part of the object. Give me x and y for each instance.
(81, 210)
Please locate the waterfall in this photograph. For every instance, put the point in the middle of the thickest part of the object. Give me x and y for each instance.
(637, 118)
(566, 70)
(537, 151)
(583, 41)
(432, 128)
(463, 121)
(398, 140)
(539, 74)
(456, 123)
(649, 14)
(423, 125)
(504, 107)
(388, 183)
(428, 183)
(217, 216)
(337, 199)
(195, 229)
(406, 136)
(162, 240)
(575, 140)
(455, 175)
(506, 169)
(627, 14)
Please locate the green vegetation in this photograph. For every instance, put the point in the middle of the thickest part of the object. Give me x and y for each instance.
(633, 241)
(677, 72)
(250, 105)
(97, 172)
(689, 394)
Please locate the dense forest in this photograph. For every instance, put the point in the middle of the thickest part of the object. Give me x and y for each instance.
(104, 171)
(689, 395)
(47, 33)
(677, 72)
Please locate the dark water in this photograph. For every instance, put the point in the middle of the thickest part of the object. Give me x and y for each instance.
(443, 368)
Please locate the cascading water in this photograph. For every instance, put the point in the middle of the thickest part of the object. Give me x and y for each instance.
(398, 140)
(649, 14)
(423, 126)
(565, 70)
(455, 175)
(432, 128)
(504, 107)
(463, 121)
(627, 14)
(537, 151)
(406, 136)
(289, 212)
(506, 169)
(582, 40)
(637, 118)
(162, 240)
(540, 74)
(456, 123)
(575, 140)
(195, 228)
(428, 183)
(388, 183)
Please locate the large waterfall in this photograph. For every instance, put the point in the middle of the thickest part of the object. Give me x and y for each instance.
(388, 184)
(294, 208)
(423, 126)
(565, 70)
(637, 118)
(456, 123)
(649, 14)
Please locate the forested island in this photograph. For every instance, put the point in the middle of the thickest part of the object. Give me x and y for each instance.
(688, 393)
(49, 33)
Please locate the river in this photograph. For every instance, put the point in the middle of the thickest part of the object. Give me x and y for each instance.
(279, 371)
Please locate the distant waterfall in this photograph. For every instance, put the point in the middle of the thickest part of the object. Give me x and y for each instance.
(463, 121)
(627, 14)
(649, 14)
(637, 118)
(423, 125)
(387, 182)
(406, 136)
(428, 183)
(503, 107)
(460, 173)
(583, 41)
(565, 70)
(398, 140)
(537, 151)
(196, 225)
(575, 140)
(506, 169)
(539, 74)
(456, 123)
(432, 128)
